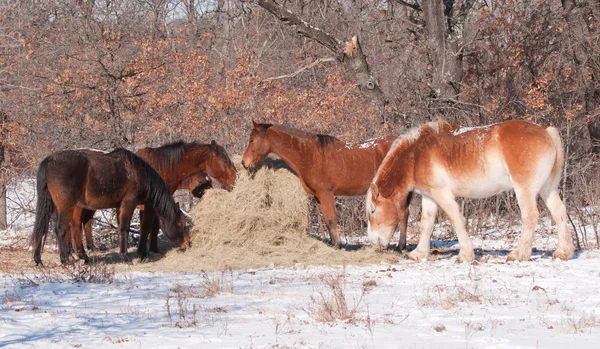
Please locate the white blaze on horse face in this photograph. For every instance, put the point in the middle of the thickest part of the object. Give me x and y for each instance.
(382, 220)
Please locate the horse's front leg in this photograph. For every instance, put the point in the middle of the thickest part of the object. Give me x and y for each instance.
(125, 213)
(327, 205)
(147, 217)
(447, 202)
(154, 235)
(428, 213)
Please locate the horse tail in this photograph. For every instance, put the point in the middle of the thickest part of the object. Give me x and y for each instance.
(44, 210)
(560, 156)
(159, 196)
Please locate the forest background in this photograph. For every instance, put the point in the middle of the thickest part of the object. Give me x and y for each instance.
(136, 73)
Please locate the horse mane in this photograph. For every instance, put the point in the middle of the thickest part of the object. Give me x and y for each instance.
(388, 169)
(324, 140)
(168, 156)
(221, 154)
(158, 194)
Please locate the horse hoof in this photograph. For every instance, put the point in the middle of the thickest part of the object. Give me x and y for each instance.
(39, 265)
(562, 255)
(416, 256)
(515, 256)
(465, 257)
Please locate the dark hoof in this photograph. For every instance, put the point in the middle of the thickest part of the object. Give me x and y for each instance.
(39, 265)
(124, 258)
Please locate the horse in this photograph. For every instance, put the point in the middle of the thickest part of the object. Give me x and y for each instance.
(442, 161)
(325, 165)
(182, 166)
(69, 180)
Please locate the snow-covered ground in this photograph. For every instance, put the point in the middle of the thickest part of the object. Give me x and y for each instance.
(542, 303)
(537, 304)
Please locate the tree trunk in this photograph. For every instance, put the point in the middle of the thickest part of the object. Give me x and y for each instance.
(581, 18)
(349, 53)
(3, 220)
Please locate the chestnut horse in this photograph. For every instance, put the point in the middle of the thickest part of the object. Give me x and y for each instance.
(72, 179)
(325, 165)
(441, 161)
(182, 166)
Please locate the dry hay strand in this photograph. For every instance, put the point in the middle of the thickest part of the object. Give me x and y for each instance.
(261, 222)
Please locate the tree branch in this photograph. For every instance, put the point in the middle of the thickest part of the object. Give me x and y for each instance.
(291, 75)
(348, 53)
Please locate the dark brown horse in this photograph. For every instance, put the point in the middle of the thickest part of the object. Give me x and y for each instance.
(325, 165)
(182, 166)
(70, 180)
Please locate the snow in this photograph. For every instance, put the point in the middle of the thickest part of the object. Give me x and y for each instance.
(542, 303)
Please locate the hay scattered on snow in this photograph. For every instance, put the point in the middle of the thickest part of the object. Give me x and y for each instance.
(261, 222)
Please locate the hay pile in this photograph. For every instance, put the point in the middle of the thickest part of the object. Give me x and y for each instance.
(261, 222)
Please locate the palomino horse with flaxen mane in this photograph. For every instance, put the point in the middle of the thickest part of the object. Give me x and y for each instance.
(70, 179)
(182, 166)
(441, 161)
(325, 165)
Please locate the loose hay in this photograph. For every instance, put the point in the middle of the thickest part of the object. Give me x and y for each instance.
(261, 222)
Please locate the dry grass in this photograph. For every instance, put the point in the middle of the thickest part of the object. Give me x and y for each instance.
(261, 222)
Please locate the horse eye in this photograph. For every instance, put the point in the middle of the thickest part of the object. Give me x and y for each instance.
(251, 140)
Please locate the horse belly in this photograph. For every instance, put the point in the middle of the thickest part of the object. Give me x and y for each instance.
(492, 180)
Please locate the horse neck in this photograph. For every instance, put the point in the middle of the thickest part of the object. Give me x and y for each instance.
(397, 169)
(291, 155)
(194, 160)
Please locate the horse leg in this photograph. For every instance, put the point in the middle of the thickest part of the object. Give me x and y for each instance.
(154, 235)
(565, 247)
(147, 217)
(87, 219)
(529, 214)
(403, 215)
(75, 230)
(428, 213)
(445, 199)
(124, 218)
(62, 237)
(327, 205)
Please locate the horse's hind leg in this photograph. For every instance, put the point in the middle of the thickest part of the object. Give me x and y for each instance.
(565, 247)
(529, 213)
(75, 230)
(447, 202)
(327, 204)
(87, 220)
(63, 229)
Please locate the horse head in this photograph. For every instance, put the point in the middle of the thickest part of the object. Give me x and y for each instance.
(258, 146)
(382, 217)
(177, 229)
(220, 167)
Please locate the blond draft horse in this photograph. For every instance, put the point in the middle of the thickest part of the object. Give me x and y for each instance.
(441, 161)
(325, 165)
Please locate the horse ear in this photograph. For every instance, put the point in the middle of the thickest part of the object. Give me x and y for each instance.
(213, 144)
(374, 191)
(254, 124)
